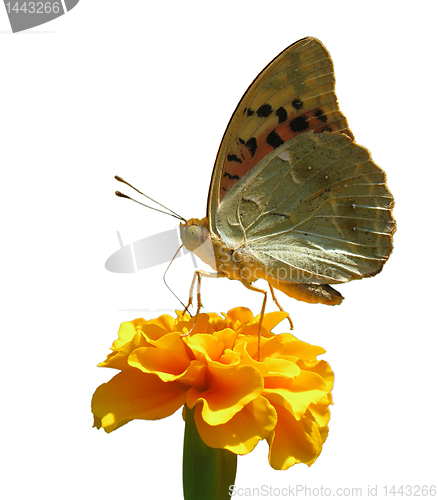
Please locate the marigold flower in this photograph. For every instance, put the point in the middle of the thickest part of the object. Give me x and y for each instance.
(239, 400)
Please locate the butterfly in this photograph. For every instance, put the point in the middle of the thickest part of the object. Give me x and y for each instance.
(293, 199)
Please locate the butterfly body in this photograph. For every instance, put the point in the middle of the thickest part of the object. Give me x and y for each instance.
(293, 199)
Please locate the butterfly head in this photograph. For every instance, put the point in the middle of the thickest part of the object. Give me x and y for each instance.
(195, 236)
(194, 233)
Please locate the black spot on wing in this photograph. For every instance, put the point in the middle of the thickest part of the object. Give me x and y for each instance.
(320, 115)
(282, 115)
(297, 103)
(299, 124)
(234, 158)
(249, 112)
(264, 111)
(241, 140)
(251, 144)
(236, 177)
(274, 140)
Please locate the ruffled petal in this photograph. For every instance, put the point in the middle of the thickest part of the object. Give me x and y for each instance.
(279, 367)
(272, 319)
(297, 348)
(295, 395)
(165, 323)
(242, 433)
(293, 441)
(130, 337)
(240, 315)
(320, 411)
(229, 389)
(159, 361)
(135, 395)
(205, 347)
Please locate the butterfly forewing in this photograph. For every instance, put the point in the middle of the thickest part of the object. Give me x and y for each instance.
(292, 95)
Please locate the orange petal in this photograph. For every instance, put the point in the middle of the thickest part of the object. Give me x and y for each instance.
(165, 321)
(159, 361)
(229, 389)
(133, 394)
(320, 411)
(282, 368)
(322, 368)
(293, 441)
(272, 319)
(205, 347)
(242, 433)
(132, 335)
(297, 348)
(240, 314)
(227, 336)
(246, 359)
(295, 395)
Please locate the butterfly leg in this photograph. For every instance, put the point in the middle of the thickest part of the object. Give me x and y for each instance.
(279, 306)
(192, 288)
(197, 277)
(262, 313)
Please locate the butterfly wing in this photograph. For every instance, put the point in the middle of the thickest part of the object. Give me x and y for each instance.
(291, 186)
(315, 210)
(292, 95)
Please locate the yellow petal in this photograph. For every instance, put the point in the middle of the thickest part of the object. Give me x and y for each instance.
(320, 411)
(205, 347)
(165, 322)
(171, 342)
(127, 331)
(227, 336)
(119, 358)
(293, 441)
(135, 395)
(242, 433)
(240, 315)
(295, 395)
(298, 348)
(251, 342)
(230, 358)
(159, 361)
(282, 368)
(322, 368)
(241, 349)
(229, 389)
(272, 319)
(130, 337)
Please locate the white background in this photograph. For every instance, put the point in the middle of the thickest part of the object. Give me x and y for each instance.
(145, 91)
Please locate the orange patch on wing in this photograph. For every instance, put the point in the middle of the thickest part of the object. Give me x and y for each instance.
(236, 169)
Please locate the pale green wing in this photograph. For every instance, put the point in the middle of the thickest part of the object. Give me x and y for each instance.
(315, 210)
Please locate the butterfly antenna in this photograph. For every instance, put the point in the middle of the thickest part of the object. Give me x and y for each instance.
(165, 282)
(121, 195)
(118, 193)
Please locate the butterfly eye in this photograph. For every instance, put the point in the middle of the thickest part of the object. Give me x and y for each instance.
(191, 236)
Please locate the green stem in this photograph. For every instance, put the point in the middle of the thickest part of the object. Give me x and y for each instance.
(207, 472)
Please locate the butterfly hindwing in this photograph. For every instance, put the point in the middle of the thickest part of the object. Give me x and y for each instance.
(315, 210)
